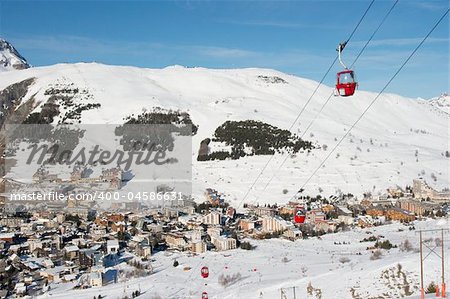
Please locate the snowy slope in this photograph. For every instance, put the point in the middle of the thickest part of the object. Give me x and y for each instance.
(338, 271)
(10, 59)
(397, 140)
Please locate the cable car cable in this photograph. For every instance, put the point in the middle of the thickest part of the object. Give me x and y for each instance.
(307, 102)
(375, 32)
(298, 116)
(375, 99)
(331, 95)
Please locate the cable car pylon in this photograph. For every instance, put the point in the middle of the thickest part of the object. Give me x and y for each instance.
(433, 250)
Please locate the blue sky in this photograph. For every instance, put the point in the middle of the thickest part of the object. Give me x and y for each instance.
(296, 37)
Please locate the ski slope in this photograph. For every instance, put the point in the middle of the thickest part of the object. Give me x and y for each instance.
(399, 138)
(264, 271)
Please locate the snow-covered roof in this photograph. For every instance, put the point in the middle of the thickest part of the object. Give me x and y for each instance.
(71, 248)
(112, 243)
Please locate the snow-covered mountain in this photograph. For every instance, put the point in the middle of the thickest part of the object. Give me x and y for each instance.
(399, 139)
(10, 59)
(442, 102)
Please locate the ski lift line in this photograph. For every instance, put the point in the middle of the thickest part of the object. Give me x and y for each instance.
(298, 116)
(374, 33)
(290, 128)
(376, 98)
(331, 95)
(360, 20)
(307, 102)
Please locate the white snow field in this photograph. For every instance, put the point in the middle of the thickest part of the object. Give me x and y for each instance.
(336, 271)
(399, 138)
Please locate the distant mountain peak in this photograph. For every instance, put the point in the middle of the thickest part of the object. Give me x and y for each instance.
(10, 58)
(442, 102)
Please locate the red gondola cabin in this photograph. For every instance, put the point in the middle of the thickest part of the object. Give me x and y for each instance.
(205, 272)
(204, 295)
(346, 83)
(300, 215)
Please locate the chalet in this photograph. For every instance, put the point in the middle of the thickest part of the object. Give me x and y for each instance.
(422, 190)
(365, 221)
(325, 226)
(48, 263)
(31, 265)
(71, 252)
(376, 211)
(417, 207)
(20, 289)
(348, 220)
(69, 277)
(79, 171)
(328, 208)
(198, 247)
(212, 218)
(246, 224)
(97, 232)
(115, 217)
(176, 241)
(155, 228)
(143, 249)
(214, 197)
(34, 244)
(170, 213)
(11, 221)
(396, 191)
(118, 226)
(90, 257)
(40, 252)
(95, 279)
(223, 243)
(214, 231)
(8, 237)
(42, 175)
(113, 176)
(343, 211)
(275, 224)
(400, 215)
(358, 209)
(293, 233)
(264, 211)
(287, 210)
(231, 212)
(315, 216)
(112, 246)
(141, 245)
(52, 274)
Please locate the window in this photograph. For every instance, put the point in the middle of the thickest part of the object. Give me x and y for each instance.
(346, 78)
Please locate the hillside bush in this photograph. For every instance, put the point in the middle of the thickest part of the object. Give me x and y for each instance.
(226, 280)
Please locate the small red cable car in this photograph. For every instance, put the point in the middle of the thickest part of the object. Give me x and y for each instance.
(300, 214)
(346, 84)
(204, 295)
(205, 272)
